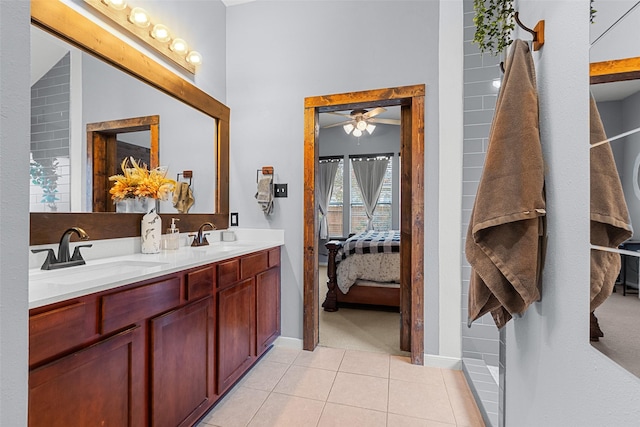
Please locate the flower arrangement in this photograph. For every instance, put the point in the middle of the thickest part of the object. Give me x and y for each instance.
(138, 181)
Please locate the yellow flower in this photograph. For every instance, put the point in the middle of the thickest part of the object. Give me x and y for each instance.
(138, 181)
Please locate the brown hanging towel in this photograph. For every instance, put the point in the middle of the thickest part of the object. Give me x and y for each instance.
(506, 238)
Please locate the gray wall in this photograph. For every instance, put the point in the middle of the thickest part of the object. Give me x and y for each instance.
(554, 377)
(630, 145)
(302, 49)
(14, 210)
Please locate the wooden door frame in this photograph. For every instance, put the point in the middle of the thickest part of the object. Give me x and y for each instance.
(411, 101)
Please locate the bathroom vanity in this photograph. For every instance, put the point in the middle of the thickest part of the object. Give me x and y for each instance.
(149, 340)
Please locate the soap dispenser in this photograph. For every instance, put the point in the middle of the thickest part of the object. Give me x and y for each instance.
(173, 235)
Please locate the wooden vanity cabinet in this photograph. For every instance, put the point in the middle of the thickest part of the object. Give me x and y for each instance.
(182, 364)
(158, 352)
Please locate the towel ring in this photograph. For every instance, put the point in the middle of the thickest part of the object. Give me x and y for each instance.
(185, 174)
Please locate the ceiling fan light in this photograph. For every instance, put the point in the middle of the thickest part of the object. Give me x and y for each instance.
(139, 17)
(361, 125)
(161, 33)
(370, 128)
(357, 133)
(348, 128)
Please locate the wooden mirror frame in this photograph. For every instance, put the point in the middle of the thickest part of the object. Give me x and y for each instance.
(64, 22)
(615, 70)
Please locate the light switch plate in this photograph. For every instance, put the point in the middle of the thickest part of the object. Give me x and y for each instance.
(234, 219)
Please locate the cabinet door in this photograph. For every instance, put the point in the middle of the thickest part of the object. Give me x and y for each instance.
(267, 308)
(236, 332)
(182, 364)
(100, 385)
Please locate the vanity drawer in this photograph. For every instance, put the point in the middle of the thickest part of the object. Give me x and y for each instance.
(55, 331)
(274, 257)
(200, 283)
(228, 273)
(254, 264)
(125, 308)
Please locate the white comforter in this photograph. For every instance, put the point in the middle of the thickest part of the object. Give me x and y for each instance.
(378, 267)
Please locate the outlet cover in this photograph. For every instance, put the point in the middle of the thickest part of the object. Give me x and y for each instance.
(280, 190)
(234, 219)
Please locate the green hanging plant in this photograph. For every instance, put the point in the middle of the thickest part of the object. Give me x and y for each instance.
(592, 13)
(494, 24)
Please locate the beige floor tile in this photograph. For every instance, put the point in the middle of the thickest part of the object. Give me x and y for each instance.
(335, 415)
(306, 382)
(282, 355)
(365, 363)
(395, 420)
(265, 375)
(321, 358)
(280, 410)
(465, 408)
(400, 368)
(361, 391)
(420, 400)
(237, 408)
(454, 379)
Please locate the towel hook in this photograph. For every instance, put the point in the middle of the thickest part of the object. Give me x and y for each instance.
(537, 32)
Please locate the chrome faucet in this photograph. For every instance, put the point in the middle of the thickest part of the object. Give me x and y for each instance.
(64, 259)
(200, 239)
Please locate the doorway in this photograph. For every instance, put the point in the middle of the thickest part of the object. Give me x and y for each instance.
(411, 102)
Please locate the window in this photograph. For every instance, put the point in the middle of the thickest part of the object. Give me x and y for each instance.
(334, 213)
(383, 213)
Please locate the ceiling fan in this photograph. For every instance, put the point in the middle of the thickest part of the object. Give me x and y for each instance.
(362, 120)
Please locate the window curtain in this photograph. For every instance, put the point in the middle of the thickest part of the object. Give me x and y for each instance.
(326, 176)
(369, 175)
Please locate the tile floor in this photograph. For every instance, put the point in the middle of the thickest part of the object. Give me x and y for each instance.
(335, 387)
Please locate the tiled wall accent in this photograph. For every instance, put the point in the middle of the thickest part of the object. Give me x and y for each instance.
(480, 71)
(50, 132)
(480, 343)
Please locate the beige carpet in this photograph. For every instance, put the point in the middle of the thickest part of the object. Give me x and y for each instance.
(356, 329)
(619, 318)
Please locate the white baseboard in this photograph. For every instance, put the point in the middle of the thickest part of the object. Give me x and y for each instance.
(431, 360)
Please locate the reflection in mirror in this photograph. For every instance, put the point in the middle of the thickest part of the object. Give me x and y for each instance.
(615, 85)
(73, 89)
(54, 17)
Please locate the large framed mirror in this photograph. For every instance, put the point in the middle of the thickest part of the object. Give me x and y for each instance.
(615, 86)
(208, 127)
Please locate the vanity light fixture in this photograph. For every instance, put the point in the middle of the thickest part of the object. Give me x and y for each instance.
(161, 33)
(179, 46)
(116, 4)
(194, 58)
(136, 21)
(138, 16)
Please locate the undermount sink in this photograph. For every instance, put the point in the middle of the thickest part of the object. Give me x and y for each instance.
(73, 275)
(221, 247)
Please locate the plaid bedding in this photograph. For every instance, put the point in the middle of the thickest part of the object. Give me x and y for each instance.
(370, 242)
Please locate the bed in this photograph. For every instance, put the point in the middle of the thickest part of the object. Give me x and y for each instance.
(364, 269)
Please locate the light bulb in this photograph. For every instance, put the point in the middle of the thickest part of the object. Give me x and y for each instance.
(116, 4)
(348, 128)
(194, 58)
(370, 128)
(179, 46)
(357, 132)
(161, 33)
(361, 125)
(139, 17)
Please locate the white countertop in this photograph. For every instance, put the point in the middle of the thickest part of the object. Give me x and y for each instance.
(50, 286)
